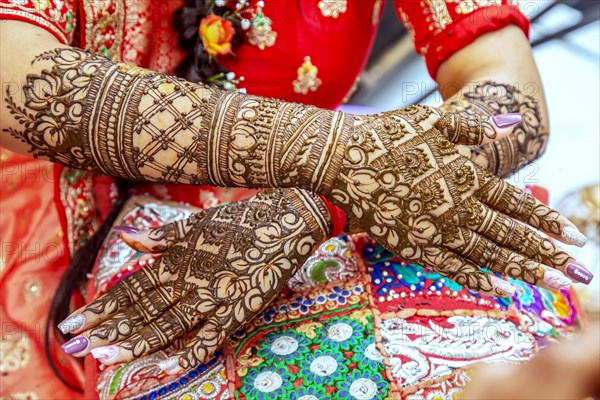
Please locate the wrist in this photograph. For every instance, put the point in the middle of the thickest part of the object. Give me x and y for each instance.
(313, 147)
(313, 211)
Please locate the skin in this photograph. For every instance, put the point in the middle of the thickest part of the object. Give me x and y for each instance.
(503, 56)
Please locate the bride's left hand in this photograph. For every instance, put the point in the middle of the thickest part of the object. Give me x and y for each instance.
(507, 154)
(219, 269)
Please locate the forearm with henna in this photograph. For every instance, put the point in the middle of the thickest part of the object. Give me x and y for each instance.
(88, 112)
(395, 173)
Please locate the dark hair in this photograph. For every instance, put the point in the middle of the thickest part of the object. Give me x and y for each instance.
(198, 66)
(75, 276)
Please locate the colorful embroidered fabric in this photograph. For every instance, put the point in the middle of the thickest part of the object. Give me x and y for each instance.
(354, 323)
(440, 28)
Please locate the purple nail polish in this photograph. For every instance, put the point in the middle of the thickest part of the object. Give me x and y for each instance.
(579, 273)
(75, 345)
(507, 120)
(125, 229)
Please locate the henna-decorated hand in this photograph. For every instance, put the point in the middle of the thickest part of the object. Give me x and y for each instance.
(407, 186)
(395, 173)
(524, 145)
(219, 269)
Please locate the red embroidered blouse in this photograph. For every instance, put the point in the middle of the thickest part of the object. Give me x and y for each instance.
(330, 39)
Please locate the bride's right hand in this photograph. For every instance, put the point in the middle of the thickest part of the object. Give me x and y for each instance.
(219, 269)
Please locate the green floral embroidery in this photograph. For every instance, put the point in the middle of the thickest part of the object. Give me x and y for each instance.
(367, 355)
(284, 347)
(310, 393)
(323, 368)
(265, 382)
(340, 334)
(362, 385)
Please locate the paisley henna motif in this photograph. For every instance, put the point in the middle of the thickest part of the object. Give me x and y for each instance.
(397, 175)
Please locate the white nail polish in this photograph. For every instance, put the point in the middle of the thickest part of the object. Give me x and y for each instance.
(170, 365)
(574, 236)
(72, 323)
(556, 280)
(105, 353)
(503, 288)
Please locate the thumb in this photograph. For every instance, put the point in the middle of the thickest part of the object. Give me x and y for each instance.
(155, 240)
(472, 129)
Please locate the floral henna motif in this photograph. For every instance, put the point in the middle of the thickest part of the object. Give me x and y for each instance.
(224, 267)
(396, 173)
(410, 189)
(528, 140)
(89, 113)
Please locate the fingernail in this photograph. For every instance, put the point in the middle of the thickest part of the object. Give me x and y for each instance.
(556, 280)
(125, 229)
(75, 345)
(170, 365)
(72, 323)
(574, 236)
(507, 120)
(503, 288)
(105, 353)
(579, 273)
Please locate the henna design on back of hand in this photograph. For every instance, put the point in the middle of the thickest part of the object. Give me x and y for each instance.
(529, 139)
(224, 266)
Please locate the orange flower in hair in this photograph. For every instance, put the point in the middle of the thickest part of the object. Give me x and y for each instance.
(216, 33)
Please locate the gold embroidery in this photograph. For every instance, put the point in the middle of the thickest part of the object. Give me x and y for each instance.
(32, 289)
(59, 21)
(41, 5)
(14, 351)
(333, 8)
(407, 24)
(104, 20)
(468, 6)
(307, 78)
(438, 17)
(376, 12)
(136, 34)
(261, 33)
